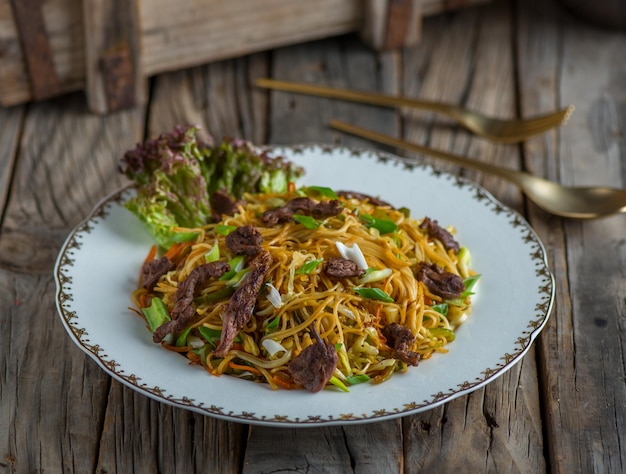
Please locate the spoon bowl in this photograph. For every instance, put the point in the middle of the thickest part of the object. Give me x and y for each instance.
(565, 201)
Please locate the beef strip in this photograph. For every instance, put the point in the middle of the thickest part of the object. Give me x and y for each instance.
(222, 204)
(440, 282)
(363, 197)
(244, 240)
(338, 267)
(239, 309)
(435, 231)
(302, 205)
(185, 293)
(314, 366)
(153, 270)
(400, 339)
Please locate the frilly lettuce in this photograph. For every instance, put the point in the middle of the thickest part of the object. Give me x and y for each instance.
(176, 175)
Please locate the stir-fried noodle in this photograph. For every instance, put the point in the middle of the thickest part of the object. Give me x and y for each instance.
(301, 302)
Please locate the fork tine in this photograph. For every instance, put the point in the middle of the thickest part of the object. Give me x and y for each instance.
(511, 131)
(497, 130)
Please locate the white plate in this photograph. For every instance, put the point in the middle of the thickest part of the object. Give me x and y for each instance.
(97, 270)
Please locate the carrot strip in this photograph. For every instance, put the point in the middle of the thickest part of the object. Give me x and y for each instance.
(143, 300)
(282, 383)
(151, 254)
(254, 370)
(176, 249)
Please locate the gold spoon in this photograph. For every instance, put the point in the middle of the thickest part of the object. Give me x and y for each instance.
(565, 201)
(494, 129)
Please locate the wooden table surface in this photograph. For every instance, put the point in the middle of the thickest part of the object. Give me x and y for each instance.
(562, 409)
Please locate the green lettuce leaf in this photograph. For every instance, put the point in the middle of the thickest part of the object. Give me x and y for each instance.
(176, 175)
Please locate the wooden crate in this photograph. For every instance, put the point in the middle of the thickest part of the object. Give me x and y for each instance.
(109, 47)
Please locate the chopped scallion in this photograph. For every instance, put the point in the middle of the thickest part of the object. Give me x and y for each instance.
(156, 314)
(213, 255)
(374, 294)
(356, 379)
(224, 229)
(384, 226)
(338, 383)
(446, 333)
(309, 266)
(306, 221)
(320, 190)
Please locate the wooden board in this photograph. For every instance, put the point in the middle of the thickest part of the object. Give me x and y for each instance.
(109, 48)
(583, 374)
(561, 410)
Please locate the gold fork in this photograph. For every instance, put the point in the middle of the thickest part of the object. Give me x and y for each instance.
(566, 201)
(494, 129)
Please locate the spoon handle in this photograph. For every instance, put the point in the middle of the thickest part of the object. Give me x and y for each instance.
(516, 177)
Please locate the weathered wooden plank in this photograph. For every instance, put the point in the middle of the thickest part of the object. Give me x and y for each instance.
(52, 393)
(304, 119)
(146, 436)
(217, 97)
(10, 128)
(497, 428)
(64, 30)
(114, 70)
(582, 349)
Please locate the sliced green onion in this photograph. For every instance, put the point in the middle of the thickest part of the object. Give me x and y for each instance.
(178, 237)
(441, 308)
(470, 283)
(215, 296)
(213, 255)
(338, 383)
(272, 326)
(443, 332)
(375, 275)
(464, 256)
(235, 264)
(212, 336)
(309, 266)
(320, 190)
(182, 339)
(156, 314)
(384, 226)
(224, 229)
(374, 294)
(238, 278)
(356, 379)
(306, 221)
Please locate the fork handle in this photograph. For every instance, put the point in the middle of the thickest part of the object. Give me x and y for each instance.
(517, 177)
(363, 97)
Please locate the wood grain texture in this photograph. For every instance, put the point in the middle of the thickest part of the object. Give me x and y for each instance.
(504, 416)
(52, 394)
(10, 127)
(583, 347)
(114, 70)
(562, 409)
(63, 21)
